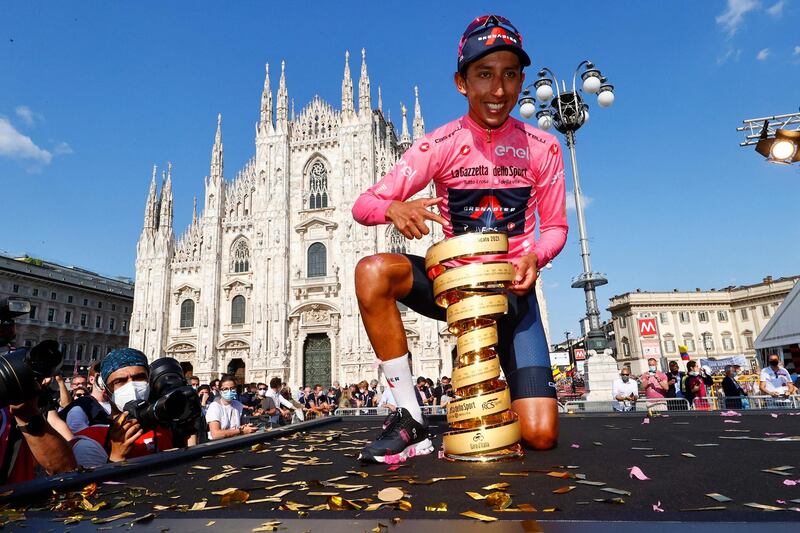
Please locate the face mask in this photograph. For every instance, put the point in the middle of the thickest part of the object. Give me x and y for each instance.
(132, 390)
(194, 387)
(653, 369)
(773, 362)
(229, 395)
(625, 378)
(693, 373)
(363, 391)
(262, 392)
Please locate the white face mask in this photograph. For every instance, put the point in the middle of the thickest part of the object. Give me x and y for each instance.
(132, 390)
(262, 392)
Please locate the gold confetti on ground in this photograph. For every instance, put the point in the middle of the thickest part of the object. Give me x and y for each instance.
(391, 494)
(478, 516)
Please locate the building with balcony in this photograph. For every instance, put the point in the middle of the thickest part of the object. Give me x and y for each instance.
(716, 323)
(87, 314)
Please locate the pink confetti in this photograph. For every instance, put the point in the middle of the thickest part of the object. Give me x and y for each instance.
(657, 507)
(575, 445)
(730, 413)
(783, 502)
(646, 420)
(376, 363)
(773, 415)
(441, 454)
(774, 434)
(636, 472)
(733, 421)
(789, 482)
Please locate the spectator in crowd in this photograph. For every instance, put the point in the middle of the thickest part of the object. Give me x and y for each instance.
(215, 394)
(625, 391)
(656, 386)
(696, 381)
(387, 400)
(333, 400)
(439, 390)
(364, 396)
(733, 391)
(305, 394)
(352, 391)
(206, 397)
(224, 415)
(65, 396)
(317, 403)
(776, 382)
(338, 390)
(91, 409)
(194, 382)
(283, 404)
(447, 394)
(373, 386)
(424, 396)
(674, 378)
(267, 407)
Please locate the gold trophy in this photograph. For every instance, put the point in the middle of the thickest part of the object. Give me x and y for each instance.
(482, 426)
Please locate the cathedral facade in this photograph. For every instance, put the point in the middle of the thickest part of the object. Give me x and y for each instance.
(261, 282)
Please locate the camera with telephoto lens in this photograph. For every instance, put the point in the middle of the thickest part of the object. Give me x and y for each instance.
(22, 370)
(172, 403)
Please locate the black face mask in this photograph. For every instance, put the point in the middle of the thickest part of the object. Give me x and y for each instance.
(773, 362)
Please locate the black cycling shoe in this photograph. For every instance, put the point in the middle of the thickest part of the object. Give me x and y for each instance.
(402, 437)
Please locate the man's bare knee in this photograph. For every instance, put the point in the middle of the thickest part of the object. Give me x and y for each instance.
(539, 439)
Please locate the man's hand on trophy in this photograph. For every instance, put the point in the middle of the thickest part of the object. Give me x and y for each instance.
(410, 217)
(526, 273)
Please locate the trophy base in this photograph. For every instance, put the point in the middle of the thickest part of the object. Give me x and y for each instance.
(509, 453)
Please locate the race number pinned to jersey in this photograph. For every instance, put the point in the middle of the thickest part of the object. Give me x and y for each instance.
(488, 209)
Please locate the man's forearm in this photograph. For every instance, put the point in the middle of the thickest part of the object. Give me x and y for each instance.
(51, 450)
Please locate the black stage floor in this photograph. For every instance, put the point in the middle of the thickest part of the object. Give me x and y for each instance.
(685, 456)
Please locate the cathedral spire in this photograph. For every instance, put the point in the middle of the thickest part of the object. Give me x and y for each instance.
(419, 123)
(347, 86)
(150, 221)
(282, 106)
(292, 115)
(216, 152)
(194, 210)
(266, 104)
(405, 138)
(165, 205)
(380, 100)
(364, 97)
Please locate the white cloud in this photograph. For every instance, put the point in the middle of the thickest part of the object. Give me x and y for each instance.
(63, 148)
(730, 53)
(796, 51)
(587, 201)
(733, 17)
(25, 115)
(15, 145)
(763, 54)
(777, 10)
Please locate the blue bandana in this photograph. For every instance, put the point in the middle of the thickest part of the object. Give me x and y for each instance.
(121, 358)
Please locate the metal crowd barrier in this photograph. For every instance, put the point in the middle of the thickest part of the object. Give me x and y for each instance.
(641, 405)
(427, 410)
(752, 403)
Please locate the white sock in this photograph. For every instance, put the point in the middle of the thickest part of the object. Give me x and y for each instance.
(398, 377)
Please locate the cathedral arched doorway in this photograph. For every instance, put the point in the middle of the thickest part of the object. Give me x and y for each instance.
(188, 369)
(317, 360)
(236, 369)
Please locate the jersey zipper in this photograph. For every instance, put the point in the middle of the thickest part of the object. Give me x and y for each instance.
(488, 135)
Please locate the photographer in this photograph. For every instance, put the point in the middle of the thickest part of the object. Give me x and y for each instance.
(224, 415)
(125, 376)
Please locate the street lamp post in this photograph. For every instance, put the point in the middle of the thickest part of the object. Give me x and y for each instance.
(567, 112)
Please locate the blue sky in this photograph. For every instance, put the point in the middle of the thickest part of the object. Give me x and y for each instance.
(95, 93)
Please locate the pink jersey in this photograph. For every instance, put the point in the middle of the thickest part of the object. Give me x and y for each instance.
(488, 179)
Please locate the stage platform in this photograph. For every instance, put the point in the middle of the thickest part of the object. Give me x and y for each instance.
(746, 460)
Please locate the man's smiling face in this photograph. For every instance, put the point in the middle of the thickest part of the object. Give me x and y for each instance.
(492, 85)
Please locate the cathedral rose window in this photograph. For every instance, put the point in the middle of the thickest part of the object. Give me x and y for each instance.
(318, 186)
(240, 257)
